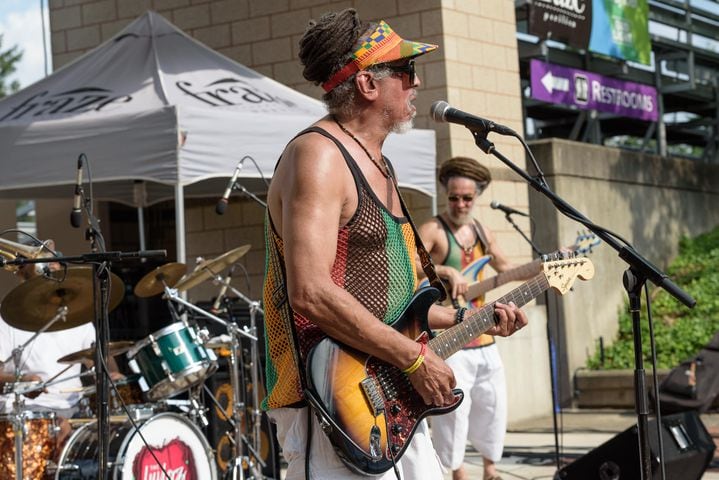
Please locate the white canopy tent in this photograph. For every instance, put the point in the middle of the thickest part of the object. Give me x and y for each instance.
(154, 106)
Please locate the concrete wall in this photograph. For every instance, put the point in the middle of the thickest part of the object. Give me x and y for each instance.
(649, 201)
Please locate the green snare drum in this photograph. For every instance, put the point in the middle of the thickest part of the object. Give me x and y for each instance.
(172, 360)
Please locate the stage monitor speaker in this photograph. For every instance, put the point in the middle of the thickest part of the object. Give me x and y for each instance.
(688, 450)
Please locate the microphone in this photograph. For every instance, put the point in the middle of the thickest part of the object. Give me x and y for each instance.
(223, 290)
(222, 203)
(76, 213)
(507, 210)
(442, 112)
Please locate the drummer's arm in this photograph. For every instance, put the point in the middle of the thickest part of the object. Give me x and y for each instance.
(112, 368)
(9, 378)
(115, 373)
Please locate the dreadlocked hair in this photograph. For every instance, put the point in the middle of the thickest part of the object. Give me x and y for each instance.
(326, 47)
(465, 167)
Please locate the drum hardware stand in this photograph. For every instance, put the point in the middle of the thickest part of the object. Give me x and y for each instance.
(18, 403)
(235, 332)
(254, 377)
(198, 413)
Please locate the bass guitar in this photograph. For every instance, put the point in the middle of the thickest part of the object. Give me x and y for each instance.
(368, 408)
(584, 244)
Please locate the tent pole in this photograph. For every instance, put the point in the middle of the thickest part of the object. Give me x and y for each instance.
(141, 226)
(180, 222)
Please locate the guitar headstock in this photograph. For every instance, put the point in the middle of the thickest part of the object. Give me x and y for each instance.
(562, 273)
(585, 242)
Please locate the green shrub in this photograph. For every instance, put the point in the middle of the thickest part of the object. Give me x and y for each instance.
(680, 332)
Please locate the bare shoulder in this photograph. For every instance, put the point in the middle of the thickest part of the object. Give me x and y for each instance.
(311, 158)
(311, 179)
(430, 227)
(432, 234)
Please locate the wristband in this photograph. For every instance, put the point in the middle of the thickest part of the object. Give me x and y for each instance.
(459, 315)
(418, 362)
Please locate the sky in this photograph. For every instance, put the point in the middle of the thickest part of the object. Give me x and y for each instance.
(21, 25)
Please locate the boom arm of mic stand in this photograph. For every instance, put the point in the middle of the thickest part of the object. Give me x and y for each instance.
(241, 188)
(218, 279)
(626, 253)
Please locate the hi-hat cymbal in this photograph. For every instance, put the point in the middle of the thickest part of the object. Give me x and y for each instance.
(113, 348)
(32, 304)
(154, 282)
(210, 268)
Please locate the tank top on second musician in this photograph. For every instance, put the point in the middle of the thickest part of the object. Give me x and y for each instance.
(459, 259)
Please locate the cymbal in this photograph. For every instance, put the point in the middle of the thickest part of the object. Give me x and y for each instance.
(113, 348)
(210, 268)
(152, 283)
(32, 304)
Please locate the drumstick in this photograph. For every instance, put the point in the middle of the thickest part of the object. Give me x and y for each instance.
(46, 382)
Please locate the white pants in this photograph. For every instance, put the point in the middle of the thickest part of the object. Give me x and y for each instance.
(419, 461)
(482, 416)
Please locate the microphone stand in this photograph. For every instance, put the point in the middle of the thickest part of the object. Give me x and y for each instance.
(100, 261)
(635, 277)
(550, 344)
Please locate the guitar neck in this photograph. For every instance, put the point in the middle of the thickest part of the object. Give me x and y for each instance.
(453, 339)
(476, 289)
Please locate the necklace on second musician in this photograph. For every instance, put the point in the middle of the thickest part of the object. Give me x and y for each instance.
(383, 168)
(466, 250)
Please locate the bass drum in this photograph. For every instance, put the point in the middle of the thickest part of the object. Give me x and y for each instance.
(177, 444)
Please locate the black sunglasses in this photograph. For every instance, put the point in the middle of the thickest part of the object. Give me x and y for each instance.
(457, 198)
(407, 68)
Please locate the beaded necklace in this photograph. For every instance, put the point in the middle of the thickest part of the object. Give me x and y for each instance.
(383, 168)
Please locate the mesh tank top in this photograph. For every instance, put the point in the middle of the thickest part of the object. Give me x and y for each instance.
(374, 262)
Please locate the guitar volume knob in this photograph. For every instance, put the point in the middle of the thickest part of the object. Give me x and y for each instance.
(397, 429)
(395, 409)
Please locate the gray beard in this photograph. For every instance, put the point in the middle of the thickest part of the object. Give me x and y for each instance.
(463, 220)
(403, 127)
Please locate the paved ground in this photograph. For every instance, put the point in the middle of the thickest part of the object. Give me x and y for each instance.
(530, 451)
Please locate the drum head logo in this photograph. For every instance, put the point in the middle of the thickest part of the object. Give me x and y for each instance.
(175, 458)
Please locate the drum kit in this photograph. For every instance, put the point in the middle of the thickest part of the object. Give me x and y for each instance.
(153, 436)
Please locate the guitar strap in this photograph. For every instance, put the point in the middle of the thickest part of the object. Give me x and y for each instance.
(480, 234)
(424, 256)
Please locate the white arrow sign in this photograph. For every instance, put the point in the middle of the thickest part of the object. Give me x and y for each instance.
(552, 83)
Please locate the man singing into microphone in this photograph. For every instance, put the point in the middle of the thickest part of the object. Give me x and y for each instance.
(455, 240)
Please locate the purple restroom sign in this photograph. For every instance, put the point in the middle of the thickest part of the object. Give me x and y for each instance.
(591, 91)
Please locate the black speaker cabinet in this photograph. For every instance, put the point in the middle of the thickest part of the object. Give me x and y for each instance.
(688, 450)
(219, 433)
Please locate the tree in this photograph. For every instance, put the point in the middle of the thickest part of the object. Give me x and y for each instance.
(8, 59)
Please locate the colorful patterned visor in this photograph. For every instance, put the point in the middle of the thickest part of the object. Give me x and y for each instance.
(381, 46)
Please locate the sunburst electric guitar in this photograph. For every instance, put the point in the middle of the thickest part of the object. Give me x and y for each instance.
(369, 409)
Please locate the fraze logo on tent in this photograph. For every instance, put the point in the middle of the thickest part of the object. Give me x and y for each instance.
(228, 92)
(79, 100)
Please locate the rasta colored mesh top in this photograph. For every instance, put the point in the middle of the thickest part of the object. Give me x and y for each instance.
(374, 262)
